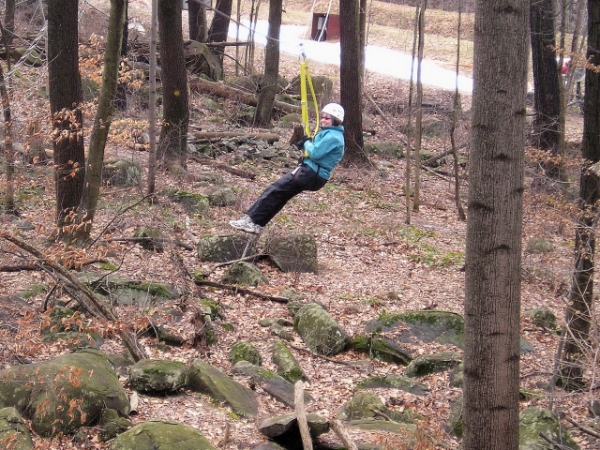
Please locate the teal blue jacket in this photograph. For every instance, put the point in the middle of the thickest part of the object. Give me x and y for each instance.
(326, 151)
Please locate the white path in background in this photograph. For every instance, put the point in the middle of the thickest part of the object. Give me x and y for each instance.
(379, 59)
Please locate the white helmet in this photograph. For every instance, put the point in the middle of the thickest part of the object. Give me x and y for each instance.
(334, 110)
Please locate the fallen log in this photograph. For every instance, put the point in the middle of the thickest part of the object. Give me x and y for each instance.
(240, 290)
(228, 92)
(218, 135)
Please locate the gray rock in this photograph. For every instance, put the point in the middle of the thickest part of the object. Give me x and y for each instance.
(454, 424)
(192, 202)
(366, 405)
(112, 424)
(222, 196)
(210, 380)
(382, 349)
(385, 149)
(151, 239)
(287, 424)
(200, 60)
(319, 330)
(158, 376)
(162, 434)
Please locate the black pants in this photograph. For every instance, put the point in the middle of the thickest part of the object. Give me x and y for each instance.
(274, 198)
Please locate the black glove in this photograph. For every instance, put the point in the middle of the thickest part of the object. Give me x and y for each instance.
(300, 143)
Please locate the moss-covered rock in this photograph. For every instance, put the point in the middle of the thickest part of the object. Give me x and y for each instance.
(287, 366)
(112, 424)
(538, 246)
(122, 172)
(454, 424)
(192, 202)
(381, 349)
(319, 330)
(535, 420)
(438, 362)
(542, 317)
(294, 253)
(65, 393)
(208, 379)
(244, 351)
(14, 434)
(394, 382)
(151, 239)
(368, 405)
(385, 149)
(417, 327)
(284, 428)
(222, 196)
(163, 435)
(273, 384)
(244, 274)
(158, 376)
(224, 248)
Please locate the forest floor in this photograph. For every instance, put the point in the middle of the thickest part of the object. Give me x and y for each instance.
(371, 262)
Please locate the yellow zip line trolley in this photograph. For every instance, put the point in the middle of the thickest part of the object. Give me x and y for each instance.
(305, 79)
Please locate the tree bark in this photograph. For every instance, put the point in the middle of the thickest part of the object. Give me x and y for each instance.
(580, 309)
(266, 98)
(65, 97)
(219, 26)
(197, 21)
(102, 121)
(546, 80)
(9, 23)
(9, 195)
(351, 83)
(494, 227)
(172, 147)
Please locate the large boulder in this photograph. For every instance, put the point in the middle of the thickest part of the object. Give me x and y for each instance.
(163, 435)
(394, 382)
(121, 172)
(200, 60)
(224, 248)
(294, 253)
(287, 366)
(427, 364)
(284, 429)
(319, 330)
(244, 351)
(65, 393)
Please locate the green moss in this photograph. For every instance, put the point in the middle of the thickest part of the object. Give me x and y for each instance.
(34, 289)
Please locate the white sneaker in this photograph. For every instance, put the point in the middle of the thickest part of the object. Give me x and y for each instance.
(246, 224)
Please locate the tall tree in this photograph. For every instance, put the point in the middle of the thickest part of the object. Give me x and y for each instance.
(9, 22)
(546, 81)
(103, 119)
(219, 26)
(66, 95)
(173, 137)
(351, 82)
(266, 97)
(581, 305)
(197, 21)
(494, 226)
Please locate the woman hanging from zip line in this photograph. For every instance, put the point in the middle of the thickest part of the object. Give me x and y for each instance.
(320, 156)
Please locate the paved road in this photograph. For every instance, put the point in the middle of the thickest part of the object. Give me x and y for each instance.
(380, 60)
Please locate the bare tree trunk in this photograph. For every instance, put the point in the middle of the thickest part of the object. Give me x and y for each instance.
(456, 110)
(152, 104)
(67, 118)
(581, 305)
(264, 108)
(9, 196)
(350, 83)
(172, 148)
(419, 119)
(494, 228)
(197, 21)
(9, 24)
(102, 121)
(546, 78)
(220, 25)
(409, 151)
